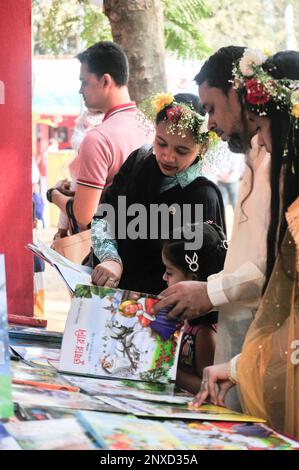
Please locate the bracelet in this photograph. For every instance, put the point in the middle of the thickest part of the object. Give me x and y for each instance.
(232, 369)
(49, 194)
(113, 258)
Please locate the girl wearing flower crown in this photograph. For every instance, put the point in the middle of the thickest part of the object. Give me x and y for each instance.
(267, 370)
(198, 342)
(168, 174)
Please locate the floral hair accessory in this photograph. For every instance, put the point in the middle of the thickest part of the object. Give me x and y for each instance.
(180, 117)
(260, 89)
(161, 100)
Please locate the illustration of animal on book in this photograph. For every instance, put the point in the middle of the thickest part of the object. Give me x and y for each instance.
(112, 332)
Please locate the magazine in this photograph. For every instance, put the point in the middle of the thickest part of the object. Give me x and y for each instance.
(6, 405)
(112, 333)
(71, 273)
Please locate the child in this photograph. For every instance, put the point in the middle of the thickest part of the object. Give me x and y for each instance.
(198, 342)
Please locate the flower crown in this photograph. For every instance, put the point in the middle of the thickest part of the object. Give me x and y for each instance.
(260, 89)
(180, 116)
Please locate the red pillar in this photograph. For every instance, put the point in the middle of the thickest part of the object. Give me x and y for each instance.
(16, 155)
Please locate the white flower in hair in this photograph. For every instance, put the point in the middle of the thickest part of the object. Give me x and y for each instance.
(250, 59)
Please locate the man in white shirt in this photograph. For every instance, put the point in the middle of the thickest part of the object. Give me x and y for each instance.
(236, 290)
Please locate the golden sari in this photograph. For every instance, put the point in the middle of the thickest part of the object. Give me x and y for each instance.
(268, 368)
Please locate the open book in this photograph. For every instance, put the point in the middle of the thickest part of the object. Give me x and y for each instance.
(71, 273)
(112, 333)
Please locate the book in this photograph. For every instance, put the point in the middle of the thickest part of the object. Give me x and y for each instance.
(115, 432)
(112, 333)
(55, 434)
(34, 334)
(26, 395)
(126, 388)
(71, 273)
(175, 411)
(125, 432)
(6, 405)
(41, 413)
(230, 436)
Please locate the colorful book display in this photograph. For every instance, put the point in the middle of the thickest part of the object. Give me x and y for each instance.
(116, 432)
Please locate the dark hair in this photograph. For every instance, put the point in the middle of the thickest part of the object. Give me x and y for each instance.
(284, 155)
(106, 57)
(211, 255)
(217, 71)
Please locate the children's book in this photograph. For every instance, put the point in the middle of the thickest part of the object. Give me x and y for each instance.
(6, 405)
(129, 388)
(71, 273)
(26, 395)
(230, 436)
(116, 432)
(56, 434)
(177, 411)
(113, 333)
(41, 413)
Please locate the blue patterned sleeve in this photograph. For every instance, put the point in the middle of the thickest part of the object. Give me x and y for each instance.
(104, 246)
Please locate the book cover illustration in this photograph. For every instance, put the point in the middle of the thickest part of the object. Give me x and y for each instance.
(61, 434)
(128, 388)
(166, 410)
(42, 413)
(6, 405)
(230, 436)
(23, 372)
(35, 396)
(102, 386)
(131, 433)
(127, 432)
(112, 333)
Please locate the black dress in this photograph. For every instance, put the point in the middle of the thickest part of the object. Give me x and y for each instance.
(139, 179)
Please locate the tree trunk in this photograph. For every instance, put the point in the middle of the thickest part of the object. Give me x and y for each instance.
(137, 25)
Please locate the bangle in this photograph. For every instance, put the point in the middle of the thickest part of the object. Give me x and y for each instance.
(113, 258)
(232, 369)
(49, 194)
